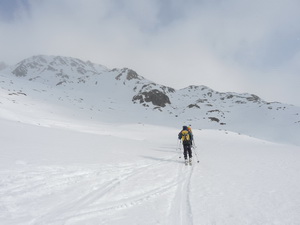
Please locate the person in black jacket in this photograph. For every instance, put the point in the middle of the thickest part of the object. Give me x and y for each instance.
(187, 140)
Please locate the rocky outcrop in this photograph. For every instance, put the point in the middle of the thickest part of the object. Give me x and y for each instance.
(128, 75)
(156, 97)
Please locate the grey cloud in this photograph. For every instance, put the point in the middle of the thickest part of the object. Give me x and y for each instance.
(243, 46)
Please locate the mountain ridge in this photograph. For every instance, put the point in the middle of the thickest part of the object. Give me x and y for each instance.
(115, 93)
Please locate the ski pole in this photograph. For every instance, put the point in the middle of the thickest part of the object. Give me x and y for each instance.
(196, 153)
(194, 144)
(179, 148)
(197, 157)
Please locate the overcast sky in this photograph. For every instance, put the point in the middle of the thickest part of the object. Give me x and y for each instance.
(228, 45)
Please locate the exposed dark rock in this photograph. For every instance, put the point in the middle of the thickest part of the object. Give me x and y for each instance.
(168, 89)
(155, 96)
(119, 76)
(158, 108)
(34, 78)
(215, 110)
(18, 93)
(254, 98)
(240, 102)
(201, 100)
(193, 106)
(132, 75)
(60, 83)
(214, 119)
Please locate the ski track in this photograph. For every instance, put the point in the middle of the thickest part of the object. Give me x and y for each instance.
(181, 204)
(82, 204)
(110, 207)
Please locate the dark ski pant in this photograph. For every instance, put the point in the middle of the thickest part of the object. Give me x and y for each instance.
(187, 150)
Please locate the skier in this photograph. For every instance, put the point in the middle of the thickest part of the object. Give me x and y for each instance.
(187, 140)
(190, 130)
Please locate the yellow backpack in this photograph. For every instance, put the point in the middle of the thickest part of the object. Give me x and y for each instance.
(185, 135)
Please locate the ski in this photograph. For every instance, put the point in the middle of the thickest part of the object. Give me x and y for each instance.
(188, 162)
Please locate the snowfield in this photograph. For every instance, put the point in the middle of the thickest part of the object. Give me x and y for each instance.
(79, 172)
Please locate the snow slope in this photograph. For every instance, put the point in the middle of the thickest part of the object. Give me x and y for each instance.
(73, 155)
(78, 172)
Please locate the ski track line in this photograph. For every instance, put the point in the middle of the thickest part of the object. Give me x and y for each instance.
(82, 208)
(181, 205)
(188, 194)
(87, 199)
(35, 185)
(122, 204)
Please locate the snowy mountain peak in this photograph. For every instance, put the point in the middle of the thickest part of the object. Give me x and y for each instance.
(40, 64)
(56, 70)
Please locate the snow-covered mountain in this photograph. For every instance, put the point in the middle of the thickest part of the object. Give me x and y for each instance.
(94, 92)
(78, 146)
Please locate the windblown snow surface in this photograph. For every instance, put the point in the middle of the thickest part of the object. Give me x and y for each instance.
(61, 171)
